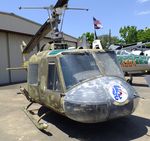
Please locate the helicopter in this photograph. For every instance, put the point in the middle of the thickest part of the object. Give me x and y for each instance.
(134, 60)
(80, 84)
(132, 64)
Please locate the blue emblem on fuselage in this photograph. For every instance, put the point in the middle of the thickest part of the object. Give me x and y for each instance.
(117, 92)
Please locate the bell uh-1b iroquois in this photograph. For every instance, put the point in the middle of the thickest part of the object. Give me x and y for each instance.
(85, 85)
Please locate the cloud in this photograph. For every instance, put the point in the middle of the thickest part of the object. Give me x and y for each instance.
(143, 13)
(142, 1)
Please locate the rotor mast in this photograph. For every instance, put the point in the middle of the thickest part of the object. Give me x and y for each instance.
(51, 25)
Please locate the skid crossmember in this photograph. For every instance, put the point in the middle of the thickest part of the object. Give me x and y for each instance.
(33, 112)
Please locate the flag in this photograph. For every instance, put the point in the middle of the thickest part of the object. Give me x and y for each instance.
(97, 23)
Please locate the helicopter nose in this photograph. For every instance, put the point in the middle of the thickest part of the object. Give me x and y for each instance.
(99, 100)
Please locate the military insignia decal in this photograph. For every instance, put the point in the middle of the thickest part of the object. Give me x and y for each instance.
(118, 93)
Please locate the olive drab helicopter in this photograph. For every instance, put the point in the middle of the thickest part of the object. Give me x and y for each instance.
(85, 85)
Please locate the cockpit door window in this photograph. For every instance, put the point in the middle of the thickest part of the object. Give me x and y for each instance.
(53, 80)
(33, 74)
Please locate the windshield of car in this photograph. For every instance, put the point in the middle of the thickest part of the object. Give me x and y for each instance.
(109, 63)
(77, 67)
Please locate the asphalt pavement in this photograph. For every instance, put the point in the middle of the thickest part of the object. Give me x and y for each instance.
(16, 126)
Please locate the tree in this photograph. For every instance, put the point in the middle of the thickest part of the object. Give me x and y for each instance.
(129, 34)
(89, 36)
(144, 35)
(106, 40)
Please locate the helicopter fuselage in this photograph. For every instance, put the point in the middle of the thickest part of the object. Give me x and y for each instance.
(86, 85)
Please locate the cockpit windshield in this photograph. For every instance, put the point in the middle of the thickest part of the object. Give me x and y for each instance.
(77, 67)
(108, 61)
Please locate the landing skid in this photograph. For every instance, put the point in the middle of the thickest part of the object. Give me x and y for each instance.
(32, 113)
(130, 80)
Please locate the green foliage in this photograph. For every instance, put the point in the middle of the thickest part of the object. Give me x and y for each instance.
(129, 34)
(140, 36)
(144, 35)
(106, 40)
(89, 37)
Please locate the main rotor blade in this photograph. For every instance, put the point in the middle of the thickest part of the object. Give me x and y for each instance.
(77, 9)
(61, 3)
(41, 33)
(44, 7)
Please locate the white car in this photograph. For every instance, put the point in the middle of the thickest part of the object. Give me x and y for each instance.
(136, 52)
(147, 53)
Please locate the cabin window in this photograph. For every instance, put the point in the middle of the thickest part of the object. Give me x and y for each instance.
(53, 81)
(33, 74)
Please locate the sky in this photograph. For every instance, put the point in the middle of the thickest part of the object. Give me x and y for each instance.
(113, 14)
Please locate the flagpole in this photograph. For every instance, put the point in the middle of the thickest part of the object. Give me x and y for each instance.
(94, 27)
(95, 34)
(109, 37)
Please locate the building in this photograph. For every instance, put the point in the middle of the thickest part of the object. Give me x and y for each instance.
(13, 30)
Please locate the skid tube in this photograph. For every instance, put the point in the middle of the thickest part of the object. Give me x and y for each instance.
(30, 113)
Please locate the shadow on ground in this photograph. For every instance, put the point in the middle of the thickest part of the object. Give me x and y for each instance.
(140, 85)
(128, 128)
